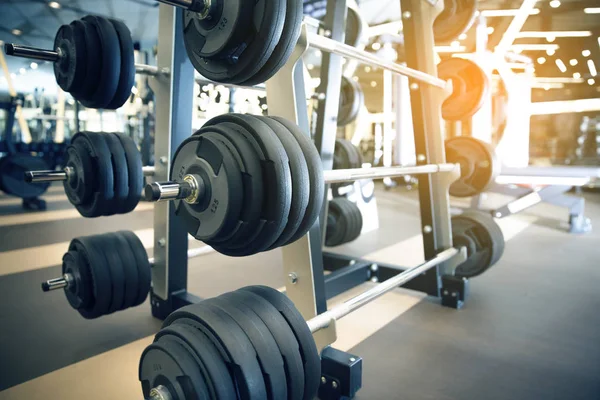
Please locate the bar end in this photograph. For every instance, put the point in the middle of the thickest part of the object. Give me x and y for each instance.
(9, 49)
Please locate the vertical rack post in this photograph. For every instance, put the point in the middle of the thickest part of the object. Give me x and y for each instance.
(174, 95)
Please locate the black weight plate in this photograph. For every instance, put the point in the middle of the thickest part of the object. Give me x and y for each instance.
(484, 241)
(110, 65)
(166, 363)
(127, 75)
(285, 46)
(217, 214)
(359, 226)
(192, 365)
(276, 171)
(100, 276)
(104, 193)
(349, 216)
(142, 264)
(341, 157)
(456, 19)
(479, 165)
(351, 101)
(130, 269)
(69, 70)
(252, 181)
(110, 260)
(80, 293)
(120, 174)
(300, 180)
(255, 305)
(336, 234)
(308, 348)
(248, 52)
(356, 221)
(12, 173)
(267, 352)
(214, 370)
(92, 62)
(233, 344)
(470, 85)
(80, 187)
(135, 172)
(354, 28)
(315, 172)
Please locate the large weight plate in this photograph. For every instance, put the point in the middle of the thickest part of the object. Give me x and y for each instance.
(354, 28)
(235, 48)
(120, 173)
(456, 19)
(308, 348)
(470, 87)
(130, 269)
(479, 233)
(127, 75)
(479, 165)
(69, 70)
(351, 101)
(142, 264)
(135, 172)
(80, 187)
(12, 173)
(336, 232)
(80, 294)
(93, 62)
(109, 260)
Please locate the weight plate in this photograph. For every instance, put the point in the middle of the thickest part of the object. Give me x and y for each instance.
(135, 173)
(285, 46)
(104, 193)
(336, 234)
(354, 28)
(80, 186)
(276, 171)
(248, 33)
(346, 216)
(252, 181)
(192, 365)
(482, 237)
(300, 180)
(142, 264)
(479, 165)
(121, 275)
(341, 157)
(456, 19)
(130, 268)
(108, 258)
(232, 342)
(100, 277)
(308, 348)
(12, 172)
(168, 364)
(470, 85)
(315, 173)
(110, 65)
(268, 355)
(351, 101)
(80, 293)
(69, 70)
(120, 173)
(217, 214)
(253, 304)
(127, 74)
(92, 63)
(351, 219)
(214, 370)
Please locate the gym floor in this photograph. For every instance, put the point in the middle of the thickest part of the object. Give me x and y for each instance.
(529, 330)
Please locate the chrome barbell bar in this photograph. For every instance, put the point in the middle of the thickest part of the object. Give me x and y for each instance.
(65, 175)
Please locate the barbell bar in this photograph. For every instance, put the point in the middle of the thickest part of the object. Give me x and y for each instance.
(64, 175)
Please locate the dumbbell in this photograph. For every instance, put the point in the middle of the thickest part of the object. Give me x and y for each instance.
(103, 174)
(106, 273)
(344, 222)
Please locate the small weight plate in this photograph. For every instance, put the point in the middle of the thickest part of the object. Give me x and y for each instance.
(357, 221)
(69, 70)
(217, 214)
(285, 46)
(120, 173)
(308, 348)
(247, 52)
(456, 19)
(12, 172)
(93, 62)
(142, 264)
(252, 181)
(267, 352)
(253, 304)
(79, 188)
(192, 365)
(337, 234)
(354, 28)
(479, 165)
(130, 268)
(110, 70)
(214, 370)
(341, 157)
(315, 172)
(135, 173)
(167, 364)
(348, 215)
(482, 237)
(127, 74)
(80, 293)
(470, 86)
(351, 101)
(300, 180)
(232, 342)
(104, 193)
(100, 276)
(110, 260)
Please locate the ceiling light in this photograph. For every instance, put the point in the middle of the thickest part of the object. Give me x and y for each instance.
(455, 44)
(573, 62)
(17, 32)
(561, 65)
(586, 53)
(550, 52)
(355, 78)
(22, 71)
(550, 39)
(310, 67)
(534, 47)
(592, 68)
(373, 84)
(506, 13)
(592, 10)
(34, 65)
(541, 34)
(576, 75)
(541, 60)
(376, 46)
(367, 69)
(462, 36)
(591, 81)
(54, 4)
(555, 4)
(490, 30)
